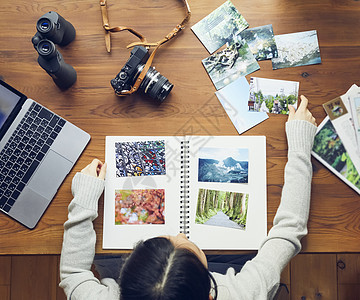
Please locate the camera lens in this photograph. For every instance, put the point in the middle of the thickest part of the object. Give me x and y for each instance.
(156, 85)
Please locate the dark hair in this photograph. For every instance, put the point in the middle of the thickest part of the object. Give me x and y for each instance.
(156, 270)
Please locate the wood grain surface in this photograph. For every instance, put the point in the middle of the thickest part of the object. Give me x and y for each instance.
(191, 108)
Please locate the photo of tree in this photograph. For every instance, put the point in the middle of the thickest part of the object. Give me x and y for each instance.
(261, 42)
(139, 206)
(231, 63)
(223, 165)
(272, 95)
(329, 148)
(297, 49)
(220, 208)
(220, 27)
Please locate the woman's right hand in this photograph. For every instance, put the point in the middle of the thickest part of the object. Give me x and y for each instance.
(302, 113)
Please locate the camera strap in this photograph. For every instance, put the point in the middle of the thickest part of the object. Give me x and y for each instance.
(143, 41)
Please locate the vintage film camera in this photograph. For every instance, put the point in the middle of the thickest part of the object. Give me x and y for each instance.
(154, 84)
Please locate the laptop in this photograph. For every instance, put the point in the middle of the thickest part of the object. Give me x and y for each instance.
(38, 148)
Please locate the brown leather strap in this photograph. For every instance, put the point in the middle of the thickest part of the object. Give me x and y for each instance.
(143, 42)
(108, 29)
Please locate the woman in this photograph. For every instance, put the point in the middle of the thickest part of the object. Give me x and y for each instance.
(172, 267)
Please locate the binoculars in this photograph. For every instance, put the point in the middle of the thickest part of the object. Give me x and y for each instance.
(54, 29)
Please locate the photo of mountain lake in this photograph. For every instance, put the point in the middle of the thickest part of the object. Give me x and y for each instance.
(229, 165)
(297, 49)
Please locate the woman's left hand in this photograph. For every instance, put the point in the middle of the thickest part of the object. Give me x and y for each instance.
(96, 168)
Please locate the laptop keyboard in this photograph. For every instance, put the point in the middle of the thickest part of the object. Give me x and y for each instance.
(25, 150)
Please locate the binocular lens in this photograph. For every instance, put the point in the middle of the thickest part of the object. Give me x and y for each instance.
(45, 48)
(45, 25)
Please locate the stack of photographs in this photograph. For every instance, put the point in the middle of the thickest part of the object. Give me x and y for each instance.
(239, 48)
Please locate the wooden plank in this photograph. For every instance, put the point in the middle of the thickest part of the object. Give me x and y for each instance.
(5, 277)
(348, 268)
(34, 277)
(313, 276)
(348, 276)
(5, 270)
(349, 292)
(5, 292)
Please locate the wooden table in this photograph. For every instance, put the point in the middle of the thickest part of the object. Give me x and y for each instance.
(192, 107)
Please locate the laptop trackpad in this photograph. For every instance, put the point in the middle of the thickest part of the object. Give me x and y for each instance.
(29, 207)
(70, 142)
(50, 174)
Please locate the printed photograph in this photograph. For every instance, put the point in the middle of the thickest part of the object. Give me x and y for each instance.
(220, 27)
(234, 99)
(356, 113)
(335, 108)
(140, 158)
(231, 63)
(219, 208)
(139, 206)
(330, 149)
(223, 165)
(297, 49)
(272, 95)
(261, 42)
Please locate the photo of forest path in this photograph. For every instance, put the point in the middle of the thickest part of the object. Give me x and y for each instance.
(219, 208)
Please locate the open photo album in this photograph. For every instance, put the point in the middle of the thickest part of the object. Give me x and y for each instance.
(212, 188)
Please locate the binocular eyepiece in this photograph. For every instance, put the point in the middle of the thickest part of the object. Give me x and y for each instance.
(54, 29)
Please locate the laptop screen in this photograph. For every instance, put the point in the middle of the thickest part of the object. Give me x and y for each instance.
(11, 101)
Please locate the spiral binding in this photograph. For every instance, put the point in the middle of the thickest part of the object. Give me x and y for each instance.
(184, 192)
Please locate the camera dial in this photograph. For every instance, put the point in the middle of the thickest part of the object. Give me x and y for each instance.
(122, 75)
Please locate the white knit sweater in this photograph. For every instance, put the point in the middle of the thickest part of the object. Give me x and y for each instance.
(258, 279)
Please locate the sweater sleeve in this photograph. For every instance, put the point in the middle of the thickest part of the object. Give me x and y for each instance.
(259, 278)
(79, 240)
